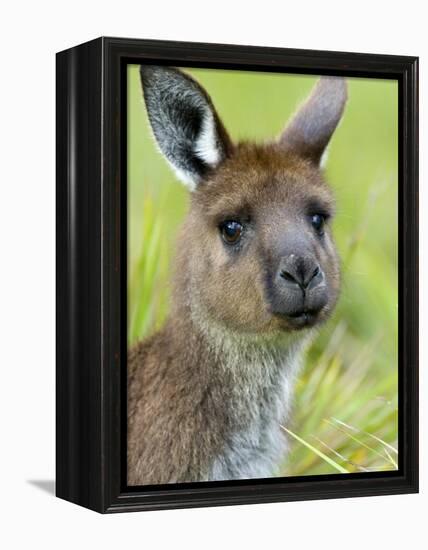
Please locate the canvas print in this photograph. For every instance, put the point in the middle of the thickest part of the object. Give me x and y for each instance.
(262, 275)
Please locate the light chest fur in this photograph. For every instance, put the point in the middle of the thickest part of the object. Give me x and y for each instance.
(260, 402)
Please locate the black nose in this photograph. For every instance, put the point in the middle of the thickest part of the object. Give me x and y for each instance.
(301, 271)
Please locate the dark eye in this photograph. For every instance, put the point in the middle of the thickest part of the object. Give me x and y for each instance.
(317, 221)
(231, 231)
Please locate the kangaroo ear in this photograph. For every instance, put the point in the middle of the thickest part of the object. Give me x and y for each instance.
(186, 127)
(312, 126)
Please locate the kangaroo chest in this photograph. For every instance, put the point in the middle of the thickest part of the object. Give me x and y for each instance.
(255, 445)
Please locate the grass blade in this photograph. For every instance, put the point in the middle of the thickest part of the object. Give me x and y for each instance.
(327, 459)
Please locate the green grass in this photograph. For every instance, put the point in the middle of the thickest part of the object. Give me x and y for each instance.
(345, 409)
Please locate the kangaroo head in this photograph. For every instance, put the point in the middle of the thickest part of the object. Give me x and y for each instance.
(256, 252)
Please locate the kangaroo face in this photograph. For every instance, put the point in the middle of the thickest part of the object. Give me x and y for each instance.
(256, 247)
(260, 242)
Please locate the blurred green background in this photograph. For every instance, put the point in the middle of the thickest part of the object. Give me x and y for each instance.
(345, 410)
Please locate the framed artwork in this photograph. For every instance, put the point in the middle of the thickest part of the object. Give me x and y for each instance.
(237, 282)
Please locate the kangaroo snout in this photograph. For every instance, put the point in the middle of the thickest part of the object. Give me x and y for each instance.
(301, 271)
(300, 292)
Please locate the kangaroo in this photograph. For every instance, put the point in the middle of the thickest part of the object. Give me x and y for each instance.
(256, 272)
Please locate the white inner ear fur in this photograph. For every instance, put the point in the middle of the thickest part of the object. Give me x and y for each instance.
(190, 180)
(324, 158)
(206, 146)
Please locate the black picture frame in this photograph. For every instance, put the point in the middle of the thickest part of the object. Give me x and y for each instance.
(91, 274)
